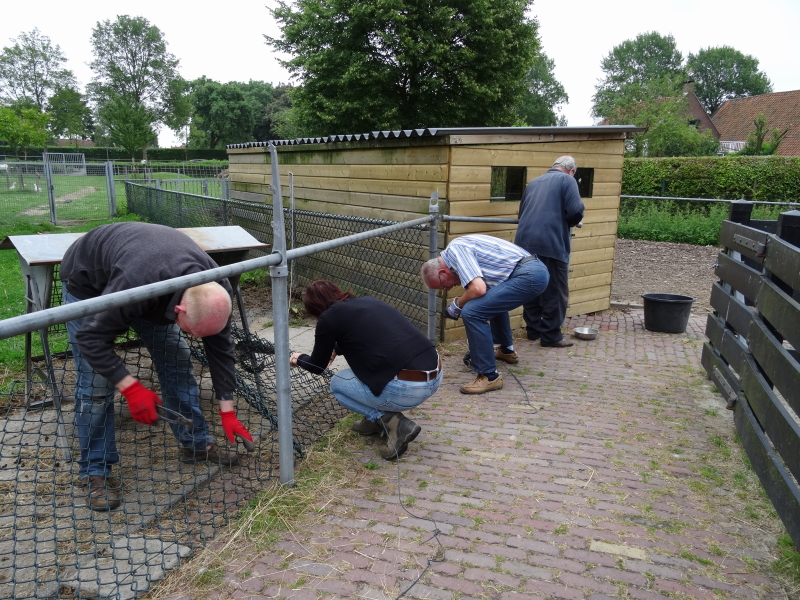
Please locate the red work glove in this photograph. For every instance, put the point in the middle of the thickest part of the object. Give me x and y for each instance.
(232, 426)
(142, 403)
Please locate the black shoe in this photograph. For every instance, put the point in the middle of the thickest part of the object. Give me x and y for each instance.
(534, 337)
(558, 344)
(467, 359)
(367, 427)
(402, 431)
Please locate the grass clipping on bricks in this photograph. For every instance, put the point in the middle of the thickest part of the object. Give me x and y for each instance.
(328, 468)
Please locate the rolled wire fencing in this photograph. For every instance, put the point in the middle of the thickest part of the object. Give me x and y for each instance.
(51, 543)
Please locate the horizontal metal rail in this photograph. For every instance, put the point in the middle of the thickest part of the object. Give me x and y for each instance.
(479, 219)
(626, 197)
(61, 314)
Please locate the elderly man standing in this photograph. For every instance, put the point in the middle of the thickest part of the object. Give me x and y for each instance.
(122, 256)
(550, 205)
(497, 277)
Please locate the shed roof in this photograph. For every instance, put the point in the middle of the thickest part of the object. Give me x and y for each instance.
(734, 119)
(439, 132)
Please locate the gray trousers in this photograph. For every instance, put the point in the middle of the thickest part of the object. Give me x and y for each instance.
(545, 314)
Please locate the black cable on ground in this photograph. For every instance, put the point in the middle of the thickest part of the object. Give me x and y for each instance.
(436, 530)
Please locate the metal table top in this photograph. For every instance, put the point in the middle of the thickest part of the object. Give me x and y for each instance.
(49, 249)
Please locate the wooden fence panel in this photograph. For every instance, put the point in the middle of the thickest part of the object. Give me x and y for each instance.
(755, 310)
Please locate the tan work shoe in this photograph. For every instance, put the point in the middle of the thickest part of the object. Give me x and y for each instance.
(98, 495)
(510, 357)
(482, 385)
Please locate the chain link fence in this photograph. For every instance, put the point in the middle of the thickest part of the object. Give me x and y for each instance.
(52, 545)
(386, 267)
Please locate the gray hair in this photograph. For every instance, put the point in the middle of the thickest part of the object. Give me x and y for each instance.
(565, 162)
(429, 270)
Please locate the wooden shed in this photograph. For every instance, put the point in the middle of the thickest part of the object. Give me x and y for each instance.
(477, 172)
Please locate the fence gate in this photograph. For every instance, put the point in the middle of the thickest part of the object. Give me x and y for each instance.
(752, 353)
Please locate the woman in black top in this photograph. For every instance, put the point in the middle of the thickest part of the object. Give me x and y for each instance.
(393, 367)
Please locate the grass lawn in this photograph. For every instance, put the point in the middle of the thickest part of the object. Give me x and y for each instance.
(12, 300)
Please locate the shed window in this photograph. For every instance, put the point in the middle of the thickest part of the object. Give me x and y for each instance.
(585, 179)
(508, 183)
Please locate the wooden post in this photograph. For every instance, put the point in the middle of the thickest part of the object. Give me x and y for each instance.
(740, 211)
(789, 227)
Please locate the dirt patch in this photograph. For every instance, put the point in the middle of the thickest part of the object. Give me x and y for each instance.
(641, 267)
(77, 195)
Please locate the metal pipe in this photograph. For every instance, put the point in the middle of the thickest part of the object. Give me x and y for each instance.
(624, 197)
(479, 219)
(433, 252)
(61, 314)
(280, 318)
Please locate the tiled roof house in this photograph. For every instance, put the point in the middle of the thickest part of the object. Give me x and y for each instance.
(734, 119)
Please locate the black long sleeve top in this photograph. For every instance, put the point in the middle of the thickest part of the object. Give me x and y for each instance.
(121, 256)
(376, 340)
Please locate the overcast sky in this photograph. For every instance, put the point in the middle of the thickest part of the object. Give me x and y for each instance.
(225, 41)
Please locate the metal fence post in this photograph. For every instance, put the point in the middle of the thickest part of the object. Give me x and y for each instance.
(51, 197)
(112, 190)
(280, 316)
(433, 249)
(226, 188)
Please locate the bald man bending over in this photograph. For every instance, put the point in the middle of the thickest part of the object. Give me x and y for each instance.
(122, 256)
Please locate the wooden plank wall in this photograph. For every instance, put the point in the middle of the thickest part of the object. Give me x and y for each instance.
(593, 247)
(392, 183)
(393, 180)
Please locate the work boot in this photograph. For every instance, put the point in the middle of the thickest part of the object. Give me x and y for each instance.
(482, 385)
(213, 454)
(559, 344)
(508, 357)
(402, 431)
(98, 495)
(367, 427)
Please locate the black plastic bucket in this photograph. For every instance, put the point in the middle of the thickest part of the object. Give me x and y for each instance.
(667, 313)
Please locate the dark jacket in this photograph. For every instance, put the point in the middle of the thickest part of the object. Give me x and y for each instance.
(550, 205)
(121, 256)
(375, 338)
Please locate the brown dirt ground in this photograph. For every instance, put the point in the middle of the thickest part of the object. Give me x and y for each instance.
(642, 267)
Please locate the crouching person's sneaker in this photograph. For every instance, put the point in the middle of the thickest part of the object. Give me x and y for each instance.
(213, 454)
(402, 431)
(482, 384)
(367, 427)
(99, 496)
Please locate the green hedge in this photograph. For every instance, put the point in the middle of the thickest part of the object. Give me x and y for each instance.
(96, 153)
(768, 178)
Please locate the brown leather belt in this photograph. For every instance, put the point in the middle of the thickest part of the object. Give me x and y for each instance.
(412, 375)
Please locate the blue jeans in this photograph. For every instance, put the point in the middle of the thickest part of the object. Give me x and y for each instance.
(94, 395)
(486, 318)
(397, 396)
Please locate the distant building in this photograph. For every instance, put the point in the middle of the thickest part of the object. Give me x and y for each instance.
(75, 143)
(734, 120)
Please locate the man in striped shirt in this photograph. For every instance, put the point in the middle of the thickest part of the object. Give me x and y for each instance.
(497, 277)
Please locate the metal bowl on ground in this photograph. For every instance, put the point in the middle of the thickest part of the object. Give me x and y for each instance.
(585, 333)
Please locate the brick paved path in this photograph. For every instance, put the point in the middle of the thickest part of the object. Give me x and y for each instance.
(583, 489)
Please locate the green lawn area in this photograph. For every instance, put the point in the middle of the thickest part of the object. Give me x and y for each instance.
(12, 301)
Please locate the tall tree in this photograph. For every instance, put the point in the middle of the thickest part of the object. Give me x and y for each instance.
(69, 113)
(23, 128)
(128, 125)
(631, 65)
(31, 69)
(667, 119)
(259, 94)
(221, 114)
(724, 73)
(280, 115)
(376, 64)
(131, 63)
(544, 95)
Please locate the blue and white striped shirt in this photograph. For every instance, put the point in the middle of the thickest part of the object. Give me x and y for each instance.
(472, 256)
